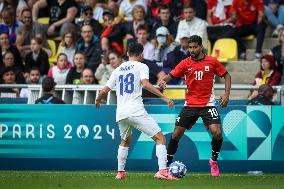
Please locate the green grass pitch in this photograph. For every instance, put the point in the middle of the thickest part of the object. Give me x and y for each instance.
(135, 180)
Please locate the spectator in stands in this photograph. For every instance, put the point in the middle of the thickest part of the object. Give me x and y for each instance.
(62, 15)
(114, 59)
(8, 60)
(278, 52)
(248, 18)
(10, 24)
(218, 18)
(6, 46)
(112, 35)
(87, 76)
(193, 25)
(87, 18)
(73, 76)
(29, 30)
(178, 54)
(264, 97)
(153, 7)
(89, 43)
(68, 45)
(8, 76)
(19, 5)
(274, 13)
(33, 78)
(138, 13)
(126, 6)
(36, 58)
(59, 72)
(142, 35)
(164, 44)
(97, 10)
(164, 19)
(268, 74)
(48, 88)
(200, 7)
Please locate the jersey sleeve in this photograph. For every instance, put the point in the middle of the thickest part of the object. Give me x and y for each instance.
(112, 80)
(179, 70)
(220, 69)
(144, 72)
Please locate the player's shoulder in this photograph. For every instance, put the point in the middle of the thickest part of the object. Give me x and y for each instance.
(210, 58)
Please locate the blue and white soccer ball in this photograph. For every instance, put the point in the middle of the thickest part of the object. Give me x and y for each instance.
(177, 169)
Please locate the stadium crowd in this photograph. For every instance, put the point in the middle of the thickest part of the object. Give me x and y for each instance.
(92, 36)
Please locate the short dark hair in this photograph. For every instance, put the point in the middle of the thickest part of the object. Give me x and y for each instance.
(48, 84)
(10, 10)
(163, 7)
(195, 39)
(135, 49)
(26, 10)
(7, 69)
(34, 69)
(142, 27)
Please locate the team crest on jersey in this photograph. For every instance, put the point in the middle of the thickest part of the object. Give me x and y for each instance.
(206, 68)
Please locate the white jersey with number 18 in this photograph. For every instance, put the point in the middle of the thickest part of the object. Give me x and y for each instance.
(127, 80)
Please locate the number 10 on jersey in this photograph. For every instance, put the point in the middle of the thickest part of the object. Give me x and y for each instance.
(126, 83)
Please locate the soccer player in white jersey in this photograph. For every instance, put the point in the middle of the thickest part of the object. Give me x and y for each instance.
(129, 78)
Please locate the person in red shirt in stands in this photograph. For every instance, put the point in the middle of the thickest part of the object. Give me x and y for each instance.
(248, 17)
(218, 18)
(199, 71)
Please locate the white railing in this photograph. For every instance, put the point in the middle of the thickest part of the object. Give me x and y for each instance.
(86, 94)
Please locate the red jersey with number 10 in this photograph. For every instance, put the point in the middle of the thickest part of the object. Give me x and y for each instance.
(199, 77)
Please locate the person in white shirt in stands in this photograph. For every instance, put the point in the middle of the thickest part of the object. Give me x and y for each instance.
(192, 25)
(33, 78)
(129, 78)
(142, 34)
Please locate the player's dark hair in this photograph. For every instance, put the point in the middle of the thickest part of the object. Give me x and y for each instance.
(195, 39)
(135, 49)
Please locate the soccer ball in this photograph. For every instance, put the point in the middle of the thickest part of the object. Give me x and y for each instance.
(177, 169)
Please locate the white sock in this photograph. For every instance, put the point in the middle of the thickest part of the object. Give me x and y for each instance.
(122, 154)
(161, 153)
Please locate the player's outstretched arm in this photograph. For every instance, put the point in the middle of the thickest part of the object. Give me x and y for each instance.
(225, 97)
(162, 83)
(147, 85)
(102, 94)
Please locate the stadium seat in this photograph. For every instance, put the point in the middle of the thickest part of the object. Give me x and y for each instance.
(52, 45)
(225, 50)
(249, 37)
(53, 59)
(175, 93)
(43, 20)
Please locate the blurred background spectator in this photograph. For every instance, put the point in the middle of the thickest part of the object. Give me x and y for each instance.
(268, 74)
(274, 13)
(264, 97)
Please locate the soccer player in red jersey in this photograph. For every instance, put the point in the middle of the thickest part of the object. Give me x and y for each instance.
(199, 71)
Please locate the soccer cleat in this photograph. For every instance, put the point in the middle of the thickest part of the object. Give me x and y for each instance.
(121, 175)
(214, 168)
(164, 175)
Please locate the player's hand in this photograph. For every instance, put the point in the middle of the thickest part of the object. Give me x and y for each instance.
(98, 103)
(162, 84)
(224, 100)
(169, 102)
